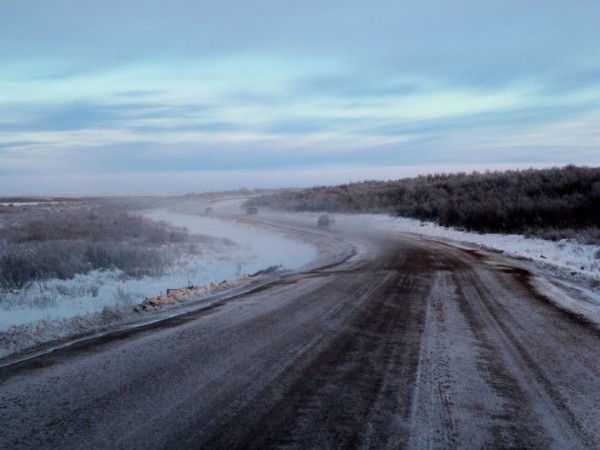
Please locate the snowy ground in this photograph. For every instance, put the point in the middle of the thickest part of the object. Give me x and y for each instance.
(249, 250)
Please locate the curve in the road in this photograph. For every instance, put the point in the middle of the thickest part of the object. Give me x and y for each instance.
(414, 345)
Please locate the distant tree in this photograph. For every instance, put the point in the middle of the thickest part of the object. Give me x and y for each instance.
(531, 201)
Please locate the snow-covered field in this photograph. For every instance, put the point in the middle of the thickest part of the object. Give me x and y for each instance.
(252, 250)
(240, 250)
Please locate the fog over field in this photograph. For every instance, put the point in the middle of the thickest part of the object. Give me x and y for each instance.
(103, 256)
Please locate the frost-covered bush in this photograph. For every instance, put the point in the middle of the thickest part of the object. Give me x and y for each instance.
(123, 300)
(61, 241)
(16, 271)
(553, 203)
(28, 300)
(94, 290)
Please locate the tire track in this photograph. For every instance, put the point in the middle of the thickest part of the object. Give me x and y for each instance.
(357, 390)
(422, 346)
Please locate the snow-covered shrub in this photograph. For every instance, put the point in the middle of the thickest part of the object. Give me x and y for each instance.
(47, 242)
(554, 203)
(94, 290)
(63, 289)
(42, 300)
(123, 300)
(17, 271)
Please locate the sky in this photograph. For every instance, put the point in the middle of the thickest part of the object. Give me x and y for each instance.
(157, 97)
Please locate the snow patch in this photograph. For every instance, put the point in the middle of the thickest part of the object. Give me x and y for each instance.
(568, 297)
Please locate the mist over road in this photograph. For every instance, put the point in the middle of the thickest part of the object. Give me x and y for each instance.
(410, 344)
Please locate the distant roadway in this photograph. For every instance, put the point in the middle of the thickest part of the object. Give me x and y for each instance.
(410, 344)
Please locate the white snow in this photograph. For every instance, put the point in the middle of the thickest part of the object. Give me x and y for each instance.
(567, 296)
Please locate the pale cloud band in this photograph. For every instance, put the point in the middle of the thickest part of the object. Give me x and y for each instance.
(186, 181)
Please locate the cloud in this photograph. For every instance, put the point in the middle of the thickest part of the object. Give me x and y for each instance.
(179, 182)
(464, 40)
(139, 93)
(117, 86)
(86, 115)
(358, 85)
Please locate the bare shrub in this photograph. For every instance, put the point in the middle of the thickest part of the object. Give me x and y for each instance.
(16, 271)
(44, 300)
(123, 300)
(44, 243)
(100, 256)
(63, 289)
(554, 203)
(23, 300)
(94, 290)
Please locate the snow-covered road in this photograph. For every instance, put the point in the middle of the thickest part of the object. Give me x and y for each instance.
(411, 343)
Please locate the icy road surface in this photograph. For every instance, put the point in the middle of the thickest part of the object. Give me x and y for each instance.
(410, 344)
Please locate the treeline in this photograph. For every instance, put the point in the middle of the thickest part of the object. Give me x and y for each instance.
(553, 203)
(40, 243)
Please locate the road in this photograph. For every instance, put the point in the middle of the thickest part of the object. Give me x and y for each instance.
(410, 344)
